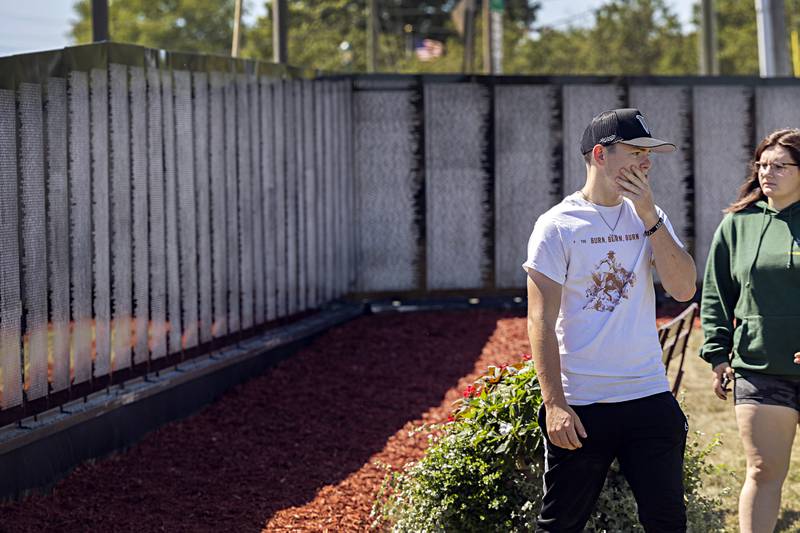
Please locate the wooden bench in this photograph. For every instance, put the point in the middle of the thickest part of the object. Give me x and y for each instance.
(674, 337)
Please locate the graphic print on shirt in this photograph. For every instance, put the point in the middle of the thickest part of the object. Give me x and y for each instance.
(610, 283)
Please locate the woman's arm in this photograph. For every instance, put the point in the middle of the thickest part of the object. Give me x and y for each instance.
(720, 293)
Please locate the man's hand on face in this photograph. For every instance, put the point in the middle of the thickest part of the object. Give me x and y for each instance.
(636, 187)
(564, 427)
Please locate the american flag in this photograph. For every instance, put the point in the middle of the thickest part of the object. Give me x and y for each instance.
(429, 49)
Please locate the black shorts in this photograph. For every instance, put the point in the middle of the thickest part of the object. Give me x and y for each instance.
(766, 389)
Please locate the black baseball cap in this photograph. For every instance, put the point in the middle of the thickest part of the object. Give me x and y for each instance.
(626, 126)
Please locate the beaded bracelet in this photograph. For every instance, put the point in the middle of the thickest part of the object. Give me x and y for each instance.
(652, 230)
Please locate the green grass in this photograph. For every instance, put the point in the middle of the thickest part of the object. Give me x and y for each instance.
(713, 417)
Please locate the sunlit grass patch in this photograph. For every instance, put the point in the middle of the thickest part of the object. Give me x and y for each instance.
(714, 417)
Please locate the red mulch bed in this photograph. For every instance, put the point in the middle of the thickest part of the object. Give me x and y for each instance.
(293, 449)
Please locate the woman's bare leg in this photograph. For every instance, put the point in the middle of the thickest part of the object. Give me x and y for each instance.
(767, 433)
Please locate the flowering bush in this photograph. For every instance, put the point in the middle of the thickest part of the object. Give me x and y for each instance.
(482, 470)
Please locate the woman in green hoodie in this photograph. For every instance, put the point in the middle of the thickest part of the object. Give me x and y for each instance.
(751, 320)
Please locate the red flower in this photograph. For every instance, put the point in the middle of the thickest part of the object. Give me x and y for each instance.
(469, 391)
(451, 418)
(526, 357)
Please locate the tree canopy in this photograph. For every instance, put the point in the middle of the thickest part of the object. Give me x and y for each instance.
(633, 37)
(622, 37)
(204, 26)
(335, 24)
(738, 41)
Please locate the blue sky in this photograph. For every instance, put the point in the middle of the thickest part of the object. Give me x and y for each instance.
(31, 25)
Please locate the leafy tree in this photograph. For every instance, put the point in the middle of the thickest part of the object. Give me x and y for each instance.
(737, 34)
(737, 42)
(625, 36)
(553, 52)
(333, 22)
(517, 23)
(317, 29)
(639, 37)
(426, 17)
(182, 25)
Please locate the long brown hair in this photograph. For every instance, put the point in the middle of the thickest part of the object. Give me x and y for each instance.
(750, 192)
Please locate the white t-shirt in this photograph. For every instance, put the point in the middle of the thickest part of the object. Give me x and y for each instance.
(606, 328)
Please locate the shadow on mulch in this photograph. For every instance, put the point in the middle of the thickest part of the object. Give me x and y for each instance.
(272, 443)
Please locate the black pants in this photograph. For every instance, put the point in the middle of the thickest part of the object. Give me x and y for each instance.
(647, 436)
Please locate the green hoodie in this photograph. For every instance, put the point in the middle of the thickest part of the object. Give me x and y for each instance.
(751, 291)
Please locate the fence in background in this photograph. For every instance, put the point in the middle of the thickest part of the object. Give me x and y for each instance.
(155, 205)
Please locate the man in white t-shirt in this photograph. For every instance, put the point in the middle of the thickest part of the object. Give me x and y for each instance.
(591, 324)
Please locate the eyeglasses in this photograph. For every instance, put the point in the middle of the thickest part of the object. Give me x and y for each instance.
(778, 167)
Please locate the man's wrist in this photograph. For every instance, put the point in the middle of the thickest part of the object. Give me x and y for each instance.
(558, 402)
(650, 220)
